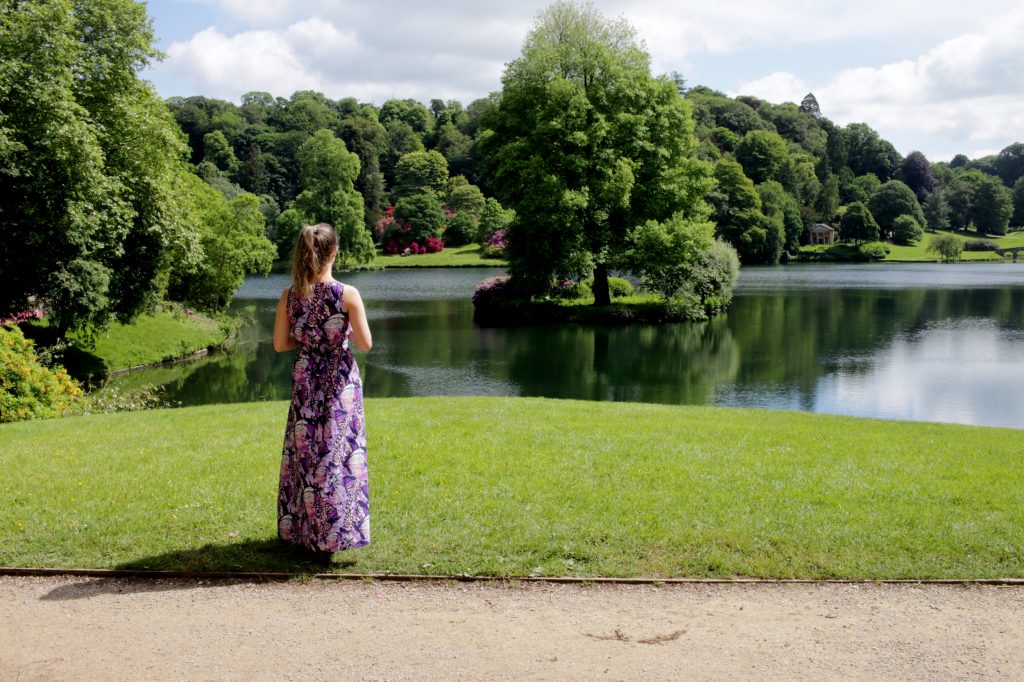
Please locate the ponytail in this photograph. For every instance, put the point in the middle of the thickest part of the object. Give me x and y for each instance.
(313, 249)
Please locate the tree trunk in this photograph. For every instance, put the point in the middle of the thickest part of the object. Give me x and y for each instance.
(601, 294)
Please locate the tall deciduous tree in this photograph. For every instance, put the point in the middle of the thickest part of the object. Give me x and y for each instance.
(327, 171)
(993, 207)
(892, 200)
(88, 158)
(1017, 219)
(858, 225)
(231, 236)
(916, 173)
(419, 172)
(586, 146)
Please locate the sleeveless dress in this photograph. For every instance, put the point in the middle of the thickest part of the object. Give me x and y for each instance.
(323, 499)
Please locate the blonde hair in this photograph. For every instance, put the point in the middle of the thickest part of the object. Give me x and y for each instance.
(313, 250)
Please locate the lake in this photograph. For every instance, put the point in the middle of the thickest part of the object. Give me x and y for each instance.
(894, 341)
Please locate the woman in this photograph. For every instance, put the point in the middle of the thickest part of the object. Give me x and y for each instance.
(323, 499)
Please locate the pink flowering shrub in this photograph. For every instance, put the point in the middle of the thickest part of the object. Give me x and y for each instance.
(495, 245)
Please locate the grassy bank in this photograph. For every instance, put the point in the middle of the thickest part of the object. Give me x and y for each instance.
(456, 257)
(919, 252)
(168, 334)
(519, 486)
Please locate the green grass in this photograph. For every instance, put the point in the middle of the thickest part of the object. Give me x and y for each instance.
(162, 336)
(456, 257)
(918, 252)
(168, 334)
(515, 486)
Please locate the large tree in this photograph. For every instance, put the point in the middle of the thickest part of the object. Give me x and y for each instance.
(993, 207)
(328, 171)
(586, 146)
(88, 156)
(892, 200)
(858, 225)
(916, 173)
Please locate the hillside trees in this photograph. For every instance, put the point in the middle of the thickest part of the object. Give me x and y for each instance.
(739, 219)
(586, 146)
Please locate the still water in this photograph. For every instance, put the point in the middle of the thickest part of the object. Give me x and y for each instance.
(909, 342)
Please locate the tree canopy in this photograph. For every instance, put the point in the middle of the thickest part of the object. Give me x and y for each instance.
(587, 146)
(88, 156)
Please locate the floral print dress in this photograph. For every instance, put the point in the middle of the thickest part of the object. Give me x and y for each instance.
(323, 500)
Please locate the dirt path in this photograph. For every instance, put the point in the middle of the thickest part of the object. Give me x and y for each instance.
(113, 629)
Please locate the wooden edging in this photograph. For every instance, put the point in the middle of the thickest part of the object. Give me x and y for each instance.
(399, 577)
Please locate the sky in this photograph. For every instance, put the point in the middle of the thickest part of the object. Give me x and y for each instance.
(937, 76)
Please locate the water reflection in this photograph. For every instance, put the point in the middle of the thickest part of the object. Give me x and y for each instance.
(884, 348)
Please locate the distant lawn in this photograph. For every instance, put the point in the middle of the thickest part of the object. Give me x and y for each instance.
(918, 252)
(457, 257)
(517, 486)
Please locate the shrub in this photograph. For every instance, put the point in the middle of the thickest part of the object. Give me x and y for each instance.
(461, 230)
(492, 291)
(906, 230)
(980, 245)
(28, 390)
(617, 286)
(875, 251)
(947, 246)
(115, 399)
(714, 276)
(495, 245)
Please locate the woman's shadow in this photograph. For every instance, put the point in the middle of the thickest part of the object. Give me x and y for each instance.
(207, 566)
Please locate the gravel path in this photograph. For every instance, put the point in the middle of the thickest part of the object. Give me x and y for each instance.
(116, 629)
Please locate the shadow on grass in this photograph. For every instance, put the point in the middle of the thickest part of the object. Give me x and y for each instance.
(248, 556)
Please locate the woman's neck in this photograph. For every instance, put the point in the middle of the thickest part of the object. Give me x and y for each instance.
(325, 276)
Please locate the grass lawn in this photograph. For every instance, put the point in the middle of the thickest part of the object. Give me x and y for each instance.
(456, 257)
(517, 486)
(154, 338)
(165, 335)
(918, 252)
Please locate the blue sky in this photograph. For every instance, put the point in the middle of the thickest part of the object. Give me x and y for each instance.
(941, 77)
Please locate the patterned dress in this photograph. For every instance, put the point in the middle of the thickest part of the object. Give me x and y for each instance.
(323, 501)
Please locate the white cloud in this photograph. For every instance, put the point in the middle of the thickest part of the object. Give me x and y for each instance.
(227, 66)
(967, 88)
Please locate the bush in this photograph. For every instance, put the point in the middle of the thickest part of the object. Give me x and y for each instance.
(714, 275)
(617, 286)
(461, 230)
(493, 291)
(495, 245)
(947, 246)
(906, 230)
(28, 390)
(114, 399)
(980, 245)
(875, 251)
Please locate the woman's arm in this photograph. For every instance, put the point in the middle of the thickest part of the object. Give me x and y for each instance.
(283, 339)
(353, 303)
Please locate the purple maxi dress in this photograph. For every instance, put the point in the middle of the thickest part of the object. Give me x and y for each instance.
(323, 500)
